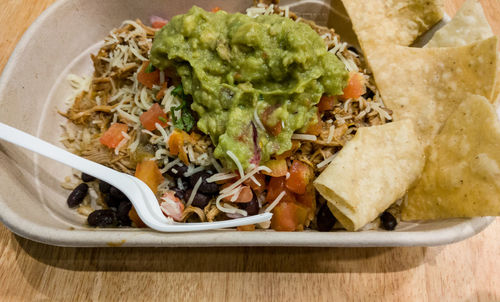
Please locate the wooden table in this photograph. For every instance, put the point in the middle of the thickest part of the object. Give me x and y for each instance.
(465, 271)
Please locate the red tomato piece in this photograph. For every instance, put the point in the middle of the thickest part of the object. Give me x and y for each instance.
(245, 196)
(355, 86)
(261, 179)
(154, 115)
(113, 136)
(284, 217)
(300, 176)
(274, 189)
(148, 79)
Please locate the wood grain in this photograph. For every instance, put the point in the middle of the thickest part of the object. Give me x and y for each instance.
(465, 271)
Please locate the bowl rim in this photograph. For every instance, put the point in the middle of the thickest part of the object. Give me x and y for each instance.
(145, 237)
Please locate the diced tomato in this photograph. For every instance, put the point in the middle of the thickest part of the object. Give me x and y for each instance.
(300, 176)
(261, 179)
(284, 217)
(148, 79)
(278, 167)
(176, 144)
(132, 214)
(308, 199)
(154, 115)
(355, 86)
(289, 217)
(244, 196)
(172, 206)
(274, 189)
(148, 172)
(246, 228)
(113, 136)
(326, 103)
(157, 22)
(274, 129)
(216, 9)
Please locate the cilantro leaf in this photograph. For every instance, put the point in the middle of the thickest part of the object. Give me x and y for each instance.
(186, 120)
(150, 68)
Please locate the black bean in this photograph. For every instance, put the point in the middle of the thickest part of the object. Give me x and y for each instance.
(111, 201)
(181, 194)
(77, 195)
(205, 187)
(325, 219)
(251, 207)
(117, 194)
(200, 200)
(104, 187)
(102, 218)
(388, 221)
(87, 178)
(369, 94)
(177, 171)
(122, 213)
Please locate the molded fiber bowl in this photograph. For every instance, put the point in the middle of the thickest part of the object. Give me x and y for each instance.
(33, 86)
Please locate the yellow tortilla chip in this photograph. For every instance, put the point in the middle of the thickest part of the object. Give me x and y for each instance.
(371, 172)
(461, 177)
(397, 22)
(467, 26)
(426, 85)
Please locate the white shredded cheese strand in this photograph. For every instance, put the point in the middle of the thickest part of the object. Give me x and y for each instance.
(193, 193)
(331, 131)
(228, 208)
(172, 163)
(326, 161)
(194, 171)
(162, 131)
(236, 194)
(220, 176)
(304, 137)
(241, 180)
(275, 202)
(257, 120)
(237, 162)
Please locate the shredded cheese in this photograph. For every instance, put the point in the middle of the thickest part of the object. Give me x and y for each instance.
(193, 193)
(326, 161)
(304, 137)
(275, 202)
(237, 162)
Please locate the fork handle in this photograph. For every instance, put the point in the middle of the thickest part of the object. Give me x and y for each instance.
(41, 147)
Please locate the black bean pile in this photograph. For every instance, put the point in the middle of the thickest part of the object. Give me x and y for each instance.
(118, 204)
(205, 192)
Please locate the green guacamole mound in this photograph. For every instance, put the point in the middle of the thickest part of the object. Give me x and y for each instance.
(236, 67)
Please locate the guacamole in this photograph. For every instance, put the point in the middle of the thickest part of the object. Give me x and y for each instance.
(254, 81)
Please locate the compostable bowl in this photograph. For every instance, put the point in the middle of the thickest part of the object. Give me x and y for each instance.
(33, 86)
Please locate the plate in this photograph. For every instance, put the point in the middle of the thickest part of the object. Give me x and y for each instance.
(33, 86)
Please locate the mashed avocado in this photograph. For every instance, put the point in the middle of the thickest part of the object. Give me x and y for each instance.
(254, 81)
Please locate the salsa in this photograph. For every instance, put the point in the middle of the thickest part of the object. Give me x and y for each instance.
(254, 81)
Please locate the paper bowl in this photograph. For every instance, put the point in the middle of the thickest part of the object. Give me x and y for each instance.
(33, 86)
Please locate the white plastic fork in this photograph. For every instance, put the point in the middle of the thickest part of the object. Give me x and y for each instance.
(141, 196)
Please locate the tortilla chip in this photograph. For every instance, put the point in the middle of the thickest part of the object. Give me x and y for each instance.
(469, 25)
(462, 173)
(397, 22)
(371, 172)
(426, 85)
